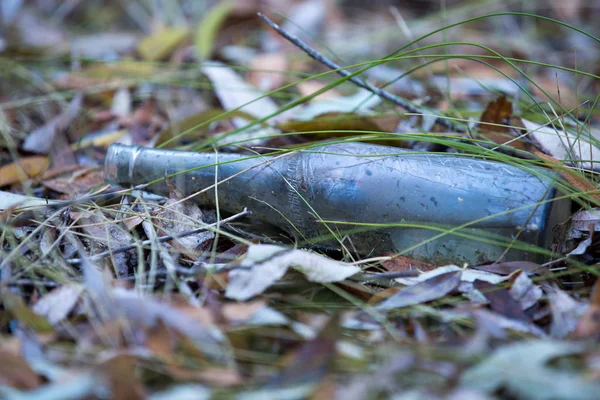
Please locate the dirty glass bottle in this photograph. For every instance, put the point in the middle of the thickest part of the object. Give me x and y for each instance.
(438, 208)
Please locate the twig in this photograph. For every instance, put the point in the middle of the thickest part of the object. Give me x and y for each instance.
(364, 277)
(160, 239)
(354, 79)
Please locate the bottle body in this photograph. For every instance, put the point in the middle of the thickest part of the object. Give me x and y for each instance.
(433, 207)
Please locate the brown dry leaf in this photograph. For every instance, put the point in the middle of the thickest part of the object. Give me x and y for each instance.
(268, 71)
(78, 183)
(233, 253)
(217, 281)
(501, 301)
(312, 361)
(162, 343)
(41, 140)
(15, 372)
(309, 87)
(146, 122)
(214, 376)
(589, 324)
(123, 382)
(573, 177)
(403, 263)
(383, 294)
(499, 112)
(61, 154)
(242, 311)
(146, 312)
(23, 169)
(159, 341)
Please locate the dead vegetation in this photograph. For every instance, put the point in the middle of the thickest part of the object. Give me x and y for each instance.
(116, 292)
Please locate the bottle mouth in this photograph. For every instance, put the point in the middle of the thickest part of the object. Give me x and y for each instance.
(119, 162)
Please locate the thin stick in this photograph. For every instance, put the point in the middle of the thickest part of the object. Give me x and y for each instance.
(354, 79)
(160, 239)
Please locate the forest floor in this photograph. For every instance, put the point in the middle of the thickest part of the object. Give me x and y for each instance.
(119, 291)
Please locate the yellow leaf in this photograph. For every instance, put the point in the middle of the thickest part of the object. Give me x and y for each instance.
(126, 69)
(209, 27)
(22, 169)
(103, 140)
(21, 312)
(161, 44)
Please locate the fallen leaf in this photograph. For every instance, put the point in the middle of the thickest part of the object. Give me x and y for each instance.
(311, 362)
(11, 200)
(360, 103)
(121, 103)
(583, 245)
(499, 321)
(582, 220)
(99, 45)
(330, 123)
(255, 313)
(264, 264)
(589, 324)
(501, 301)
(116, 73)
(197, 126)
(209, 26)
(15, 372)
(184, 391)
(510, 267)
(146, 122)
(564, 146)
(146, 312)
(571, 176)
(161, 44)
(307, 88)
(268, 71)
(525, 291)
(467, 275)
(521, 368)
(59, 303)
(40, 140)
(79, 182)
(105, 232)
(235, 94)
(23, 314)
(499, 112)
(123, 381)
(23, 169)
(403, 263)
(566, 311)
(431, 289)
